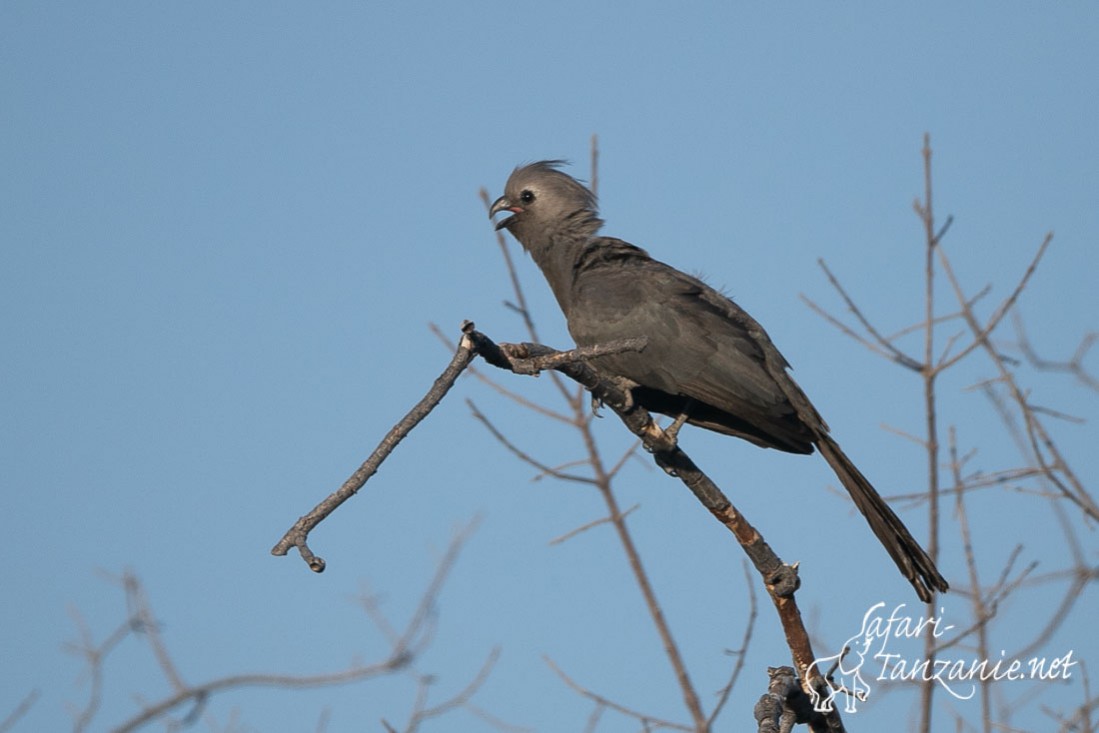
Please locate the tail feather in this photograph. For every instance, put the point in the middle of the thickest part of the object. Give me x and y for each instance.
(913, 562)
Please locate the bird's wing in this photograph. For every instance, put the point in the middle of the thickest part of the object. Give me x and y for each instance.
(701, 344)
(725, 362)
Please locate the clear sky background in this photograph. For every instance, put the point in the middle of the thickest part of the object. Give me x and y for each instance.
(225, 228)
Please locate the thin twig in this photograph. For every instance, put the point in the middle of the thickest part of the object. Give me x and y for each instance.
(512, 395)
(521, 299)
(980, 612)
(461, 698)
(521, 455)
(24, 706)
(981, 334)
(896, 354)
(1075, 364)
(94, 656)
(1056, 468)
(928, 372)
(742, 652)
(780, 579)
(297, 536)
(648, 720)
(629, 453)
(408, 643)
(888, 353)
(590, 525)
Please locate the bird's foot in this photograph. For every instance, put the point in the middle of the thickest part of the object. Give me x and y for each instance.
(672, 431)
(668, 437)
(661, 439)
(624, 388)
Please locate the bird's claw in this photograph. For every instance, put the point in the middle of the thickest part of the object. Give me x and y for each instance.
(625, 387)
(672, 431)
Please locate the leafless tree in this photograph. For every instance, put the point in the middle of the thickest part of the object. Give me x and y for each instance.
(1043, 465)
(187, 701)
(942, 342)
(1043, 468)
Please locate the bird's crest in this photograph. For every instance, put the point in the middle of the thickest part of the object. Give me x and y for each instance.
(548, 173)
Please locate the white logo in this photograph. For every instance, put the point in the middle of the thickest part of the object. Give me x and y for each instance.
(867, 654)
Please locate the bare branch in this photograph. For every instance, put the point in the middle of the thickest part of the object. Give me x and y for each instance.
(785, 704)
(980, 335)
(1043, 449)
(1075, 364)
(595, 164)
(524, 457)
(94, 656)
(407, 644)
(521, 300)
(630, 453)
(780, 579)
(501, 389)
(651, 723)
(459, 699)
(142, 615)
(932, 240)
(879, 344)
(980, 612)
(19, 711)
(939, 320)
(592, 524)
(298, 535)
(740, 653)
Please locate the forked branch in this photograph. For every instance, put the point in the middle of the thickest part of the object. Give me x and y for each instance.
(781, 580)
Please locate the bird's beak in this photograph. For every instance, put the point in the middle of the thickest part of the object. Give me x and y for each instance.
(503, 204)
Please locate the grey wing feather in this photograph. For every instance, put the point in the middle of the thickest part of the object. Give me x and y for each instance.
(702, 346)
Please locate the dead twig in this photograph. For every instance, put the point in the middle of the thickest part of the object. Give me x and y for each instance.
(1074, 365)
(28, 701)
(781, 580)
(592, 524)
(522, 455)
(298, 535)
(648, 721)
(740, 653)
(405, 645)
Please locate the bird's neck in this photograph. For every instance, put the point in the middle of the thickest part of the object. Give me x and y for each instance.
(557, 260)
(557, 253)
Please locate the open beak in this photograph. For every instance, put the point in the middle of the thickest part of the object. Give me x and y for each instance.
(503, 204)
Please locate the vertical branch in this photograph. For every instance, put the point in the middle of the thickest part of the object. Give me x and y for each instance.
(633, 557)
(594, 175)
(604, 483)
(1049, 467)
(520, 303)
(981, 613)
(595, 164)
(603, 480)
(929, 372)
(20, 710)
(1044, 451)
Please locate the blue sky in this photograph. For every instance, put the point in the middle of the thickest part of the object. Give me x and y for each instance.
(226, 228)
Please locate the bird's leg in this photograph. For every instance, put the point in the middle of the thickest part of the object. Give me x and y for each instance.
(668, 438)
(672, 431)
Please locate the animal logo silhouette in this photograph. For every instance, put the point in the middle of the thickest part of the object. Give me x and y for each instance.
(847, 665)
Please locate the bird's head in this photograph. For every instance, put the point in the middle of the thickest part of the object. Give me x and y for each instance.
(543, 201)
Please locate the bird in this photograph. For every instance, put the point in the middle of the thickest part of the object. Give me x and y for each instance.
(706, 360)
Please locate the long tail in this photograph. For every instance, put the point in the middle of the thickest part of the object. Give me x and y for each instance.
(913, 562)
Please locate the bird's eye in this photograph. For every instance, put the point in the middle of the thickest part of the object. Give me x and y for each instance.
(526, 196)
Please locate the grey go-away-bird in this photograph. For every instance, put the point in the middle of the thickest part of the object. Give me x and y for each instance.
(706, 360)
